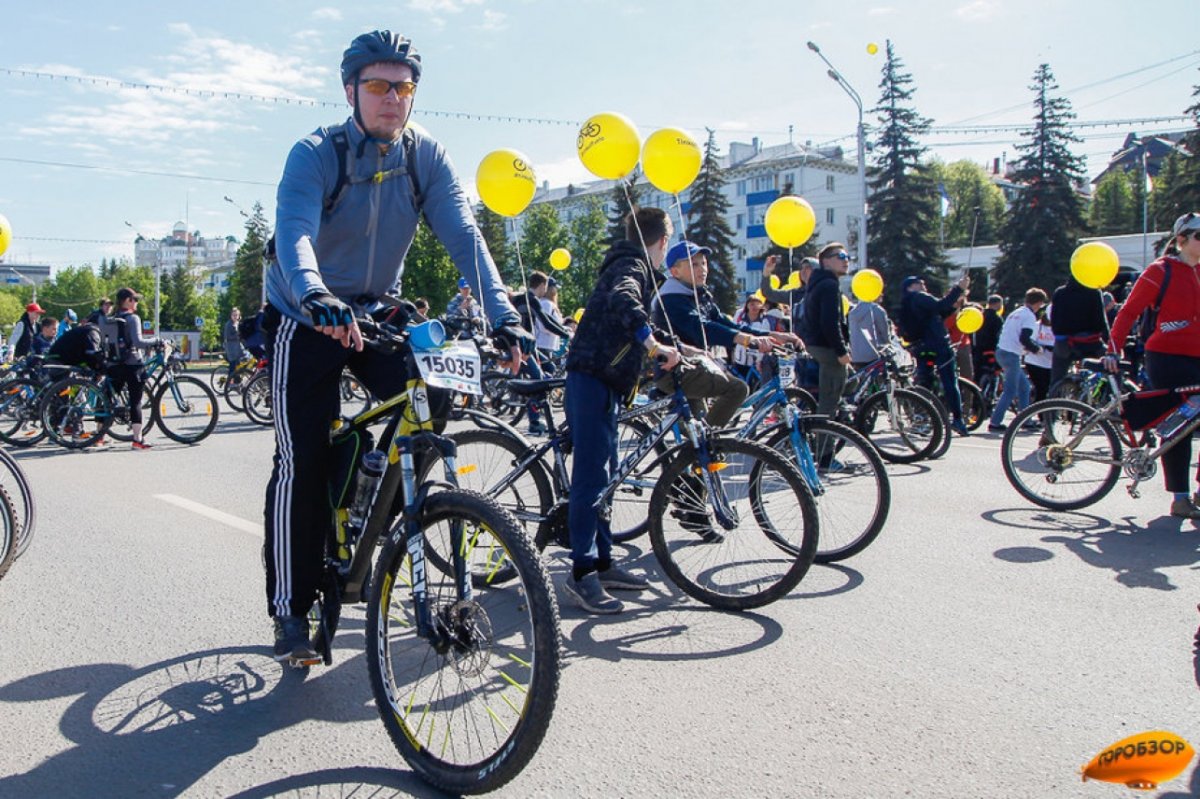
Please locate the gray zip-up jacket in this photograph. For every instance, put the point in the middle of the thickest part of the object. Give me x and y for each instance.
(356, 253)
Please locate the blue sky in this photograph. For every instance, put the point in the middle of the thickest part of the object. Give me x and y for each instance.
(739, 67)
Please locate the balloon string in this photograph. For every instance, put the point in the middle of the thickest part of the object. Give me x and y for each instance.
(479, 279)
(512, 221)
(649, 261)
(695, 288)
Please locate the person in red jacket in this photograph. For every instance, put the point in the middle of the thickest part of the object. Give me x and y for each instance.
(1173, 348)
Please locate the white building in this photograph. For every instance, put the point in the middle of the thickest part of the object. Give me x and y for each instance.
(754, 177)
(205, 254)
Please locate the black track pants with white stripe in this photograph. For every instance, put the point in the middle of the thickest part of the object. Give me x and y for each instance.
(305, 368)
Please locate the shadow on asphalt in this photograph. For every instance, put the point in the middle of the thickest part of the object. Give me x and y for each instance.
(159, 729)
(906, 469)
(377, 783)
(1134, 553)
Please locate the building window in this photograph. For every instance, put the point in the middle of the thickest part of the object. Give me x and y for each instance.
(741, 188)
(829, 183)
(790, 180)
(829, 216)
(741, 221)
(757, 212)
(764, 183)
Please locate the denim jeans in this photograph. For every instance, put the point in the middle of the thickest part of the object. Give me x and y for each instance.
(1016, 384)
(592, 415)
(532, 370)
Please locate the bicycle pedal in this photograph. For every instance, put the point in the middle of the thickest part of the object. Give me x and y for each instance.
(304, 663)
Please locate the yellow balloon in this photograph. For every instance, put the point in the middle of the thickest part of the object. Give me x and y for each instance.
(758, 295)
(671, 160)
(578, 316)
(5, 234)
(845, 305)
(560, 258)
(790, 221)
(609, 145)
(793, 281)
(506, 182)
(969, 320)
(775, 284)
(1095, 264)
(867, 285)
(872, 48)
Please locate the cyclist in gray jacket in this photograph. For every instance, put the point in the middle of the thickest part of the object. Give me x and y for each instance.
(347, 210)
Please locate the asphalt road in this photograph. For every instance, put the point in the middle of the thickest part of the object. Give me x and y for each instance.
(980, 648)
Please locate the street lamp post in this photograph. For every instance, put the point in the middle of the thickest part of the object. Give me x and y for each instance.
(157, 280)
(27, 279)
(862, 153)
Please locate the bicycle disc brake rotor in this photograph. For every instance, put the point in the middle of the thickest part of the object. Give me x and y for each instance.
(468, 630)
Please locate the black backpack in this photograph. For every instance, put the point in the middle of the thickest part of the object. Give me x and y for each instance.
(1147, 323)
(340, 139)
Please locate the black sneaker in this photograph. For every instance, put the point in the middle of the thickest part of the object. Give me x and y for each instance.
(292, 643)
(997, 428)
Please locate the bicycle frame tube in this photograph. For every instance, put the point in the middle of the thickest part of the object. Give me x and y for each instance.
(626, 467)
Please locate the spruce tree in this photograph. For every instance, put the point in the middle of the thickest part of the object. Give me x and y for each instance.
(709, 227)
(245, 282)
(1043, 225)
(621, 206)
(905, 204)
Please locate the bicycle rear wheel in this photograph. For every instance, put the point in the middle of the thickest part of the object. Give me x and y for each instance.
(353, 396)
(975, 409)
(186, 409)
(1045, 467)
(75, 412)
(9, 535)
(468, 707)
(14, 485)
(768, 539)
(914, 434)
(848, 481)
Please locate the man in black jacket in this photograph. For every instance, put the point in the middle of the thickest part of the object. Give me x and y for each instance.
(922, 316)
(824, 326)
(1080, 326)
(529, 306)
(988, 336)
(603, 366)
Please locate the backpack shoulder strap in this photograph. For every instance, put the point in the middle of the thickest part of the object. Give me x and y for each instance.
(408, 142)
(1162, 290)
(341, 147)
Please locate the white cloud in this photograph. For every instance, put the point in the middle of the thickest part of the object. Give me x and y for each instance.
(493, 20)
(881, 11)
(442, 6)
(977, 11)
(327, 13)
(820, 26)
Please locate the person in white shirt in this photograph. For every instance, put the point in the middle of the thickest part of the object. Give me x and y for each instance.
(1039, 364)
(1016, 339)
(549, 342)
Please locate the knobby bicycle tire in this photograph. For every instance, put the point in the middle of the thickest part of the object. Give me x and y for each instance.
(1043, 468)
(10, 538)
(257, 400)
(759, 560)
(185, 409)
(852, 491)
(27, 510)
(492, 692)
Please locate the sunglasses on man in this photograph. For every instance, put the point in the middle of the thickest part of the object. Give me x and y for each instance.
(380, 87)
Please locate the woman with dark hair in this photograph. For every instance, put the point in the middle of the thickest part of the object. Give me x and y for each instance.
(131, 371)
(1171, 285)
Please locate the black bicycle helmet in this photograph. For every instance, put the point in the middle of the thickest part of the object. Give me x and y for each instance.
(376, 47)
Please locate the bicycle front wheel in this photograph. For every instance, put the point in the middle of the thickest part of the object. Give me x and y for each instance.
(739, 534)
(186, 409)
(908, 430)
(75, 412)
(9, 534)
(975, 409)
(256, 400)
(848, 481)
(1058, 455)
(466, 705)
(20, 422)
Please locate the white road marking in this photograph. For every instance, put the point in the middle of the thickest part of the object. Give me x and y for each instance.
(221, 516)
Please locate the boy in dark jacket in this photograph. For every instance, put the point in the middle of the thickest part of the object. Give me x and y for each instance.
(824, 326)
(700, 326)
(603, 366)
(922, 315)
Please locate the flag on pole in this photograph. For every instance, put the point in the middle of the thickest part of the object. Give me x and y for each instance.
(1146, 170)
(945, 200)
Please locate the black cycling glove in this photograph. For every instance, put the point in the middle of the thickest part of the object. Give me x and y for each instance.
(507, 336)
(327, 310)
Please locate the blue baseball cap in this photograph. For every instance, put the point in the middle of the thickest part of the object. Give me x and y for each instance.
(683, 250)
(911, 280)
(463, 284)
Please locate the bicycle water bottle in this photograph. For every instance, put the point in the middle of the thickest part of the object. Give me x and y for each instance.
(1182, 415)
(366, 484)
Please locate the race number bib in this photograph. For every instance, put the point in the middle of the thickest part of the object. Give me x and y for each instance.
(455, 366)
(787, 371)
